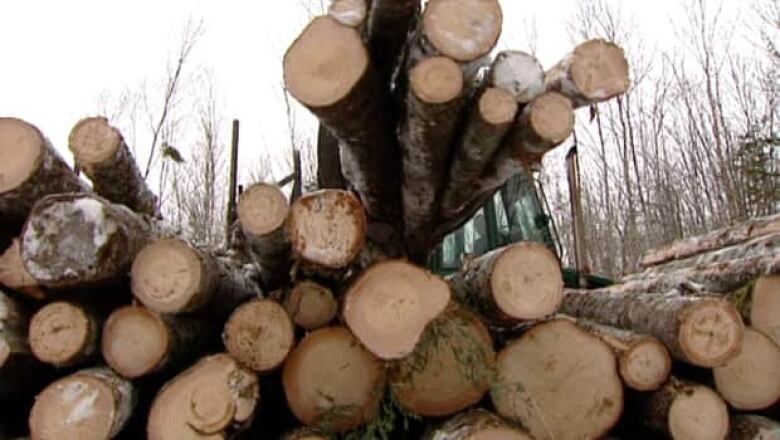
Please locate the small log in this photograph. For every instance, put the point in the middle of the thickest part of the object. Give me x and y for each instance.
(520, 282)
(137, 342)
(390, 304)
(259, 335)
(753, 427)
(750, 380)
(29, 170)
(171, 276)
(215, 398)
(543, 125)
(684, 410)
(328, 70)
(64, 334)
(14, 276)
(311, 305)
(477, 424)
(352, 13)
(262, 213)
(701, 331)
(93, 404)
(519, 74)
(101, 152)
(595, 72)
(559, 382)
(388, 27)
(332, 382)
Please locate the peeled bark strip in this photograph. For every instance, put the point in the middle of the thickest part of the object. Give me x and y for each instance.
(751, 427)
(328, 70)
(352, 13)
(543, 125)
(63, 334)
(214, 398)
(29, 170)
(137, 342)
(477, 424)
(259, 335)
(449, 370)
(262, 213)
(520, 282)
(687, 411)
(596, 71)
(14, 276)
(93, 404)
(388, 27)
(171, 276)
(311, 305)
(560, 382)
(389, 306)
(332, 382)
(489, 122)
(750, 380)
(327, 229)
(519, 74)
(101, 152)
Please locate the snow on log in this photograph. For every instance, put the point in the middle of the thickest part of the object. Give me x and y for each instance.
(311, 305)
(687, 411)
(259, 335)
(518, 73)
(352, 13)
(14, 276)
(753, 427)
(477, 424)
(64, 334)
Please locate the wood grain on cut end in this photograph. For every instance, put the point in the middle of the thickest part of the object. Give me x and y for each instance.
(331, 381)
(21, 151)
(599, 70)
(62, 334)
(135, 341)
(497, 107)
(14, 275)
(464, 30)
(93, 141)
(391, 303)
(311, 305)
(552, 117)
(645, 365)
(765, 306)
(698, 414)
(259, 335)
(262, 209)
(167, 275)
(710, 333)
(325, 63)
(750, 380)
(436, 80)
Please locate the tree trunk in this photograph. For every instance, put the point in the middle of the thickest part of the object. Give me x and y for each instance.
(543, 124)
(389, 25)
(311, 305)
(390, 304)
(751, 427)
(64, 334)
(559, 382)
(489, 122)
(476, 424)
(137, 342)
(521, 282)
(14, 276)
(171, 276)
(684, 410)
(328, 70)
(30, 170)
(101, 152)
(352, 13)
(332, 382)
(449, 370)
(519, 74)
(214, 398)
(596, 71)
(328, 161)
(701, 331)
(93, 404)
(259, 335)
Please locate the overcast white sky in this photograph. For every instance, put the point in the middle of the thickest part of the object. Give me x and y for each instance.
(58, 56)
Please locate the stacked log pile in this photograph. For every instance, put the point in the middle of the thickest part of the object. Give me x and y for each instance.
(318, 320)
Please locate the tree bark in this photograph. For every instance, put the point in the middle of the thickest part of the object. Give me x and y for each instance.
(477, 424)
(519, 74)
(752, 427)
(64, 334)
(14, 276)
(684, 410)
(328, 161)
(101, 152)
(17, 364)
(388, 27)
(215, 398)
(559, 382)
(311, 305)
(259, 335)
(93, 404)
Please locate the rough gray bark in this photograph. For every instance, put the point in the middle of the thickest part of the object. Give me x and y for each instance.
(389, 24)
(710, 421)
(328, 161)
(474, 424)
(753, 427)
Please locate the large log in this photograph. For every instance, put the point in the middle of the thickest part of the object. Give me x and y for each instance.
(311, 305)
(101, 152)
(93, 404)
(477, 424)
(684, 410)
(560, 382)
(215, 398)
(332, 382)
(750, 380)
(701, 331)
(390, 304)
(518, 73)
(328, 70)
(753, 427)
(64, 334)
(520, 282)
(259, 335)
(14, 276)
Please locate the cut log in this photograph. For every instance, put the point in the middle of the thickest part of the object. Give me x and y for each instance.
(78, 241)
(434, 107)
(644, 362)
(215, 398)
(64, 334)
(14, 276)
(137, 342)
(714, 240)
(449, 370)
(389, 25)
(389, 306)
(750, 380)
(477, 424)
(311, 305)
(259, 335)
(765, 306)
(332, 382)
(489, 122)
(171, 276)
(520, 282)
(543, 125)
(29, 170)
(752, 427)
(328, 70)
(559, 382)
(595, 72)
(687, 411)
(101, 152)
(327, 229)
(262, 213)
(519, 74)
(93, 404)
(352, 13)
